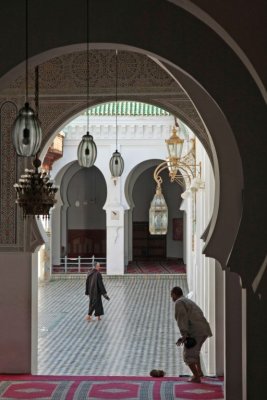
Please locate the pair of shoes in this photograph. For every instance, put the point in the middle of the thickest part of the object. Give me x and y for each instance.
(194, 379)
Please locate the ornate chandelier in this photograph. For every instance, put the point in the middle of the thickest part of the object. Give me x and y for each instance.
(35, 192)
(158, 214)
(183, 170)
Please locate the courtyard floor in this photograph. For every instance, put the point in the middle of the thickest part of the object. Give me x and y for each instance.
(137, 333)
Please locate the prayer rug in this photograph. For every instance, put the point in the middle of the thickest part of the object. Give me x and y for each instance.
(156, 267)
(34, 387)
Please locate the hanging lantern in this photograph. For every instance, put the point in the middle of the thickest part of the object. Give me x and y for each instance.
(175, 147)
(158, 214)
(26, 132)
(35, 192)
(87, 151)
(116, 164)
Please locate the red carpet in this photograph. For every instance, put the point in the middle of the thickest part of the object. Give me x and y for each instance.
(35, 387)
(156, 267)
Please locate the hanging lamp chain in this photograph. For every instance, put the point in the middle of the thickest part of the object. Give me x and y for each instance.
(36, 100)
(87, 63)
(26, 49)
(116, 97)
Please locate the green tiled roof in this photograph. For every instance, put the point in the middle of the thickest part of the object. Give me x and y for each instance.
(127, 108)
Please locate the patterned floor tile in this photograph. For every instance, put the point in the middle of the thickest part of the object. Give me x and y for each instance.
(137, 332)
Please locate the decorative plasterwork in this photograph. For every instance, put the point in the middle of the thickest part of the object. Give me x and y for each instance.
(63, 80)
(62, 96)
(8, 172)
(67, 75)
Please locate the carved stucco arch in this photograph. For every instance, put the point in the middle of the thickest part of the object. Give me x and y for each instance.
(68, 115)
(134, 174)
(216, 232)
(227, 195)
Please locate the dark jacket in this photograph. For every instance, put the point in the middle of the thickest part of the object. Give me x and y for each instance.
(94, 286)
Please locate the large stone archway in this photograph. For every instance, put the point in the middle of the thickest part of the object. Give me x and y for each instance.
(216, 79)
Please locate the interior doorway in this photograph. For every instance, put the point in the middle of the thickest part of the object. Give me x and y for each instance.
(147, 246)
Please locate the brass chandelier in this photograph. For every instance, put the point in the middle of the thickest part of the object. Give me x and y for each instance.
(183, 170)
(35, 192)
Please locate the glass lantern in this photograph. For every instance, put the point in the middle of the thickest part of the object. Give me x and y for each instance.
(116, 164)
(87, 151)
(158, 214)
(175, 147)
(26, 132)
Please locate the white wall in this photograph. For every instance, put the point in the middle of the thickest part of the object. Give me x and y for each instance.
(140, 139)
(86, 195)
(205, 277)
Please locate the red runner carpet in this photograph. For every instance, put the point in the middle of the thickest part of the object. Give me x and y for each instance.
(156, 267)
(33, 387)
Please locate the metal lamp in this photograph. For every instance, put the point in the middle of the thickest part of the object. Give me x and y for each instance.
(116, 163)
(87, 151)
(158, 214)
(175, 147)
(26, 130)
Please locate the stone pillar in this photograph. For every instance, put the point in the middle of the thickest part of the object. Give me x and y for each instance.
(115, 240)
(115, 229)
(16, 312)
(219, 318)
(56, 232)
(126, 238)
(233, 338)
(46, 259)
(34, 314)
(256, 349)
(130, 234)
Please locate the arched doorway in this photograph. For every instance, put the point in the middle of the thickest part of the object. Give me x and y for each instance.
(239, 79)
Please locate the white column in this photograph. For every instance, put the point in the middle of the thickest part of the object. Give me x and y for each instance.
(34, 314)
(115, 240)
(115, 228)
(64, 228)
(130, 234)
(56, 233)
(188, 232)
(126, 237)
(209, 309)
(46, 259)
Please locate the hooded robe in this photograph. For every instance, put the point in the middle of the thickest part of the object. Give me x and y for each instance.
(95, 289)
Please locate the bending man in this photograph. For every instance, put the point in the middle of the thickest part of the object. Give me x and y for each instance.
(191, 323)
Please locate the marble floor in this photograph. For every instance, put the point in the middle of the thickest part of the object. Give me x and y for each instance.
(137, 333)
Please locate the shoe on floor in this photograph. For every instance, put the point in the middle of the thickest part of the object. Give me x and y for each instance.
(194, 379)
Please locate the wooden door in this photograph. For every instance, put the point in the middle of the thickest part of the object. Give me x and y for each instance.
(146, 246)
